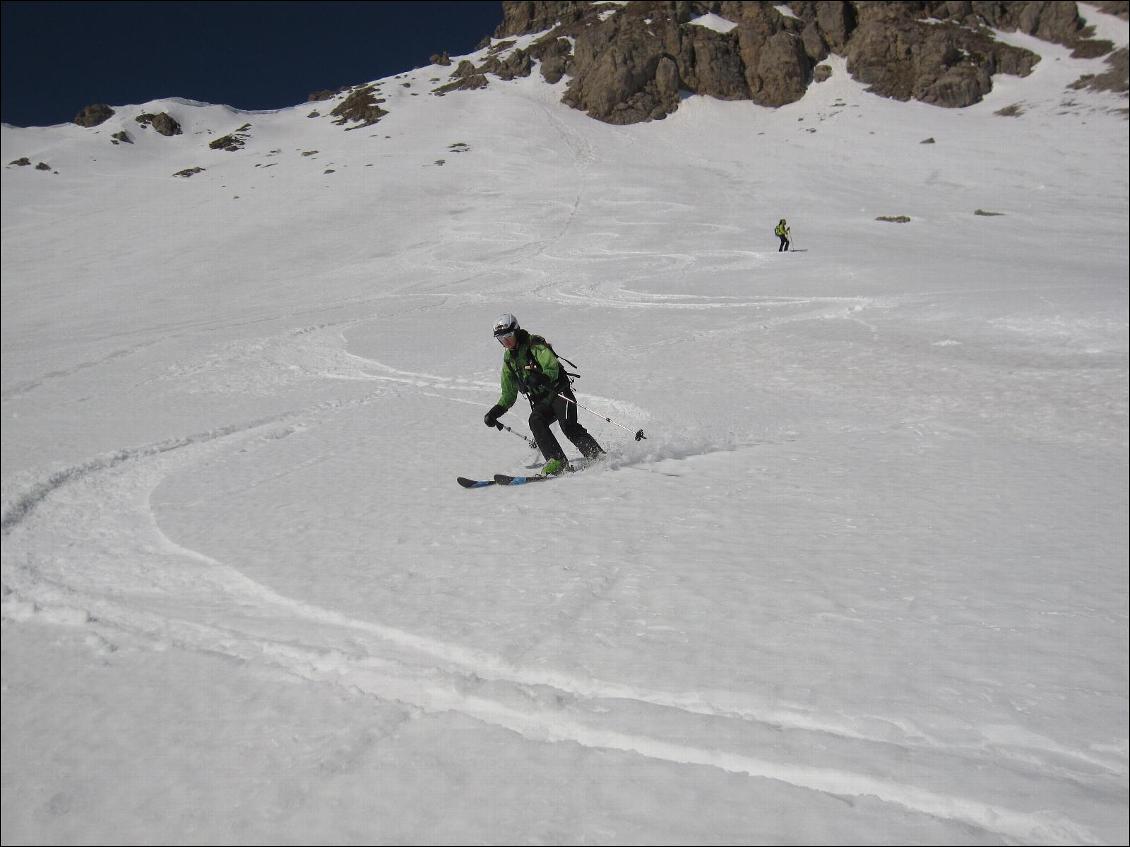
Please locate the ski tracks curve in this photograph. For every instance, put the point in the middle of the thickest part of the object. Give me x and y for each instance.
(109, 567)
(82, 546)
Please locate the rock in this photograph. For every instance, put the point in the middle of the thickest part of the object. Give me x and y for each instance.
(941, 64)
(894, 219)
(187, 172)
(361, 107)
(1118, 8)
(467, 77)
(711, 63)
(122, 136)
(629, 62)
(1115, 79)
(520, 18)
(555, 56)
(93, 115)
(441, 59)
(232, 142)
(517, 64)
(777, 69)
(164, 123)
(615, 66)
(325, 94)
(464, 83)
(23, 161)
(43, 166)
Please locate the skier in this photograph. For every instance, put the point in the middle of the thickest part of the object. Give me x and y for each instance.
(782, 232)
(530, 366)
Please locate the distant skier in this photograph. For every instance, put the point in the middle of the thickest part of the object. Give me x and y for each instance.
(782, 232)
(530, 366)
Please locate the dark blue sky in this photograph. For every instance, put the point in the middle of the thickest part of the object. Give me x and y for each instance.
(60, 56)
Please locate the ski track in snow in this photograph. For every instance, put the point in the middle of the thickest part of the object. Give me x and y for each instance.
(191, 601)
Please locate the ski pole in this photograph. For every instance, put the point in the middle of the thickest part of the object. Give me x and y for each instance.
(529, 441)
(639, 432)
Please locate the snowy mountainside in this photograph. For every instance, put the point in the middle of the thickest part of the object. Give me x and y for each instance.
(863, 582)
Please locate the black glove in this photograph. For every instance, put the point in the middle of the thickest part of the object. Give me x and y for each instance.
(491, 417)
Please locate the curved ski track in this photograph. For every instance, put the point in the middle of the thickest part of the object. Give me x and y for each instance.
(82, 547)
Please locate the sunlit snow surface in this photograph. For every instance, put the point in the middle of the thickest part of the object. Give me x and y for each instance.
(863, 582)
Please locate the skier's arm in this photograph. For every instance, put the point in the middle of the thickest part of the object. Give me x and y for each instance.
(509, 389)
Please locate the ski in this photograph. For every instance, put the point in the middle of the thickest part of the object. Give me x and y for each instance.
(576, 466)
(505, 479)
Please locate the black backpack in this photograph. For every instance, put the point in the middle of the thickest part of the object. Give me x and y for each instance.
(564, 379)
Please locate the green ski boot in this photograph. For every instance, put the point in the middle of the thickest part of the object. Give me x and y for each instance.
(555, 466)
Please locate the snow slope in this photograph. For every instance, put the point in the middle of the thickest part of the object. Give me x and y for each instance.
(864, 581)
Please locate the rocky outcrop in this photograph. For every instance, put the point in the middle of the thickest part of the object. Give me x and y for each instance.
(465, 77)
(362, 107)
(1118, 8)
(232, 142)
(24, 161)
(515, 64)
(556, 57)
(325, 94)
(502, 62)
(628, 63)
(1116, 78)
(524, 17)
(93, 115)
(942, 64)
(624, 70)
(164, 123)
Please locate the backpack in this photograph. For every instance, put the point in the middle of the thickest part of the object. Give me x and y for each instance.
(565, 378)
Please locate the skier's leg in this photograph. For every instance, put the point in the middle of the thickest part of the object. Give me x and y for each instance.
(540, 419)
(574, 431)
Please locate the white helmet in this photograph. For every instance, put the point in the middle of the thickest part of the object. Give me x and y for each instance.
(505, 325)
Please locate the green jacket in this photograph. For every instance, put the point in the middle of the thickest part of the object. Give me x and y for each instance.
(530, 368)
(781, 229)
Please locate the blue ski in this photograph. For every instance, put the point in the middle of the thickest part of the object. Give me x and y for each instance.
(474, 483)
(504, 479)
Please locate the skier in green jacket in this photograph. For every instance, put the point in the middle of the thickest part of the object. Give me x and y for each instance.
(782, 232)
(530, 366)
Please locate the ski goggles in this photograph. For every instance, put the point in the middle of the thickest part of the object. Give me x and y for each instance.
(506, 336)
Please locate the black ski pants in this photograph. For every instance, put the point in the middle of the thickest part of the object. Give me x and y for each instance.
(784, 248)
(558, 410)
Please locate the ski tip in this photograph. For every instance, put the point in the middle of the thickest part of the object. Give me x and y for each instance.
(474, 483)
